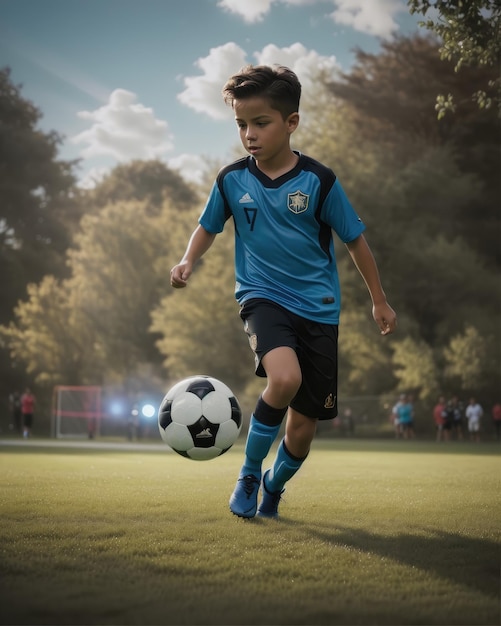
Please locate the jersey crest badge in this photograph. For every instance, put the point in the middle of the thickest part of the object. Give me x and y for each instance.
(297, 202)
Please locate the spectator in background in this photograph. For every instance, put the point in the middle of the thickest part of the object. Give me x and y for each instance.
(405, 412)
(394, 417)
(457, 411)
(448, 419)
(496, 418)
(439, 417)
(28, 402)
(474, 413)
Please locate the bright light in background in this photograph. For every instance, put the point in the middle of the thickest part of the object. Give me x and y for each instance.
(148, 411)
(116, 408)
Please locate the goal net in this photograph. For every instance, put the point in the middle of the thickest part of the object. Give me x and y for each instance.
(76, 412)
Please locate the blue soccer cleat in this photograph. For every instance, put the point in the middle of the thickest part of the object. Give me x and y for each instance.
(269, 503)
(243, 501)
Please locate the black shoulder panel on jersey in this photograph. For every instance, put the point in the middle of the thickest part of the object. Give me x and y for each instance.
(241, 164)
(327, 179)
(325, 175)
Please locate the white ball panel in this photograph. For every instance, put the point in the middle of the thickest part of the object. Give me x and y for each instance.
(227, 434)
(186, 408)
(216, 407)
(177, 437)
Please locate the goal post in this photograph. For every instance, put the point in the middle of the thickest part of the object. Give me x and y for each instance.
(76, 411)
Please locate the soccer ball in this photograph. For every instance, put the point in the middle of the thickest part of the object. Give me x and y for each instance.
(200, 418)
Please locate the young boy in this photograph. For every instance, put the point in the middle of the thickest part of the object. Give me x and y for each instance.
(284, 205)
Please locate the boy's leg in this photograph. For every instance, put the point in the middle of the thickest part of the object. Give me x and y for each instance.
(284, 379)
(299, 435)
(263, 429)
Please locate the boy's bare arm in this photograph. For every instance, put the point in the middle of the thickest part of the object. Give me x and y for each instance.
(200, 241)
(384, 316)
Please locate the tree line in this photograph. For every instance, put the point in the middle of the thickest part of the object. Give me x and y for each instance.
(86, 298)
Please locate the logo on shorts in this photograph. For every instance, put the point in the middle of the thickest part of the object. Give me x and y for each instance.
(297, 202)
(329, 401)
(253, 342)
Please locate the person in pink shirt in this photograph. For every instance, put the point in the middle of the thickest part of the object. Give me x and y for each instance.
(28, 402)
(439, 419)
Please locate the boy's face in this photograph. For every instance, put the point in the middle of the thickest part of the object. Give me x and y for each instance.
(263, 132)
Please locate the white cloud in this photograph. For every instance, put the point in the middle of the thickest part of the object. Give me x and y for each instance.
(255, 10)
(373, 18)
(203, 93)
(124, 129)
(307, 64)
(252, 11)
(192, 167)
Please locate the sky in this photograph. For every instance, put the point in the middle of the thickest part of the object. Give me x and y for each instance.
(141, 79)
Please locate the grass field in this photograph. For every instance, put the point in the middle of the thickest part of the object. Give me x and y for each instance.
(371, 532)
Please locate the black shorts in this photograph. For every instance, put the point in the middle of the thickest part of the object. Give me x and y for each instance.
(269, 326)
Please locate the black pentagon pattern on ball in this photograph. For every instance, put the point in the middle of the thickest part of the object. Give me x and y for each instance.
(200, 387)
(203, 433)
(236, 411)
(165, 415)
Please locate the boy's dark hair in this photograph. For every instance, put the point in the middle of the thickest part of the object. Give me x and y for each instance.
(278, 84)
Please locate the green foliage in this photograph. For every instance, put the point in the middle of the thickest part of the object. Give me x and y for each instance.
(469, 31)
(94, 327)
(113, 280)
(150, 182)
(416, 367)
(50, 338)
(365, 365)
(34, 196)
(472, 359)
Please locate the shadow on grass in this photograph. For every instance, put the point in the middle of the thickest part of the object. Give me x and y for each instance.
(467, 561)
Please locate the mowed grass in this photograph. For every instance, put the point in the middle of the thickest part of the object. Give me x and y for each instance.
(371, 533)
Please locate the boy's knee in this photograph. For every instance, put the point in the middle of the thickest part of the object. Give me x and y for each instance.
(285, 384)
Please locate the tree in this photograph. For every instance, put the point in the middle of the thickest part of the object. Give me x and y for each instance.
(365, 358)
(35, 190)
(473, 361)
(416, 367)
(51, 339)
(470, 34)
(116, 283)
(93, 328)
(150, 182)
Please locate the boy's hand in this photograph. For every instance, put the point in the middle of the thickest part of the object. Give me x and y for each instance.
(179, 275)
(385, 317)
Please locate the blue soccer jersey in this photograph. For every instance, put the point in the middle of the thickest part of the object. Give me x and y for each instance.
(284, 249)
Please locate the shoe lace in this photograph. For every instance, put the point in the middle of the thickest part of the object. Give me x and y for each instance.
(250, 482)
(276, 496)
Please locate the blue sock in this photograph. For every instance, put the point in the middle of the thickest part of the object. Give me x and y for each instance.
(260, 438)
(283, 469)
